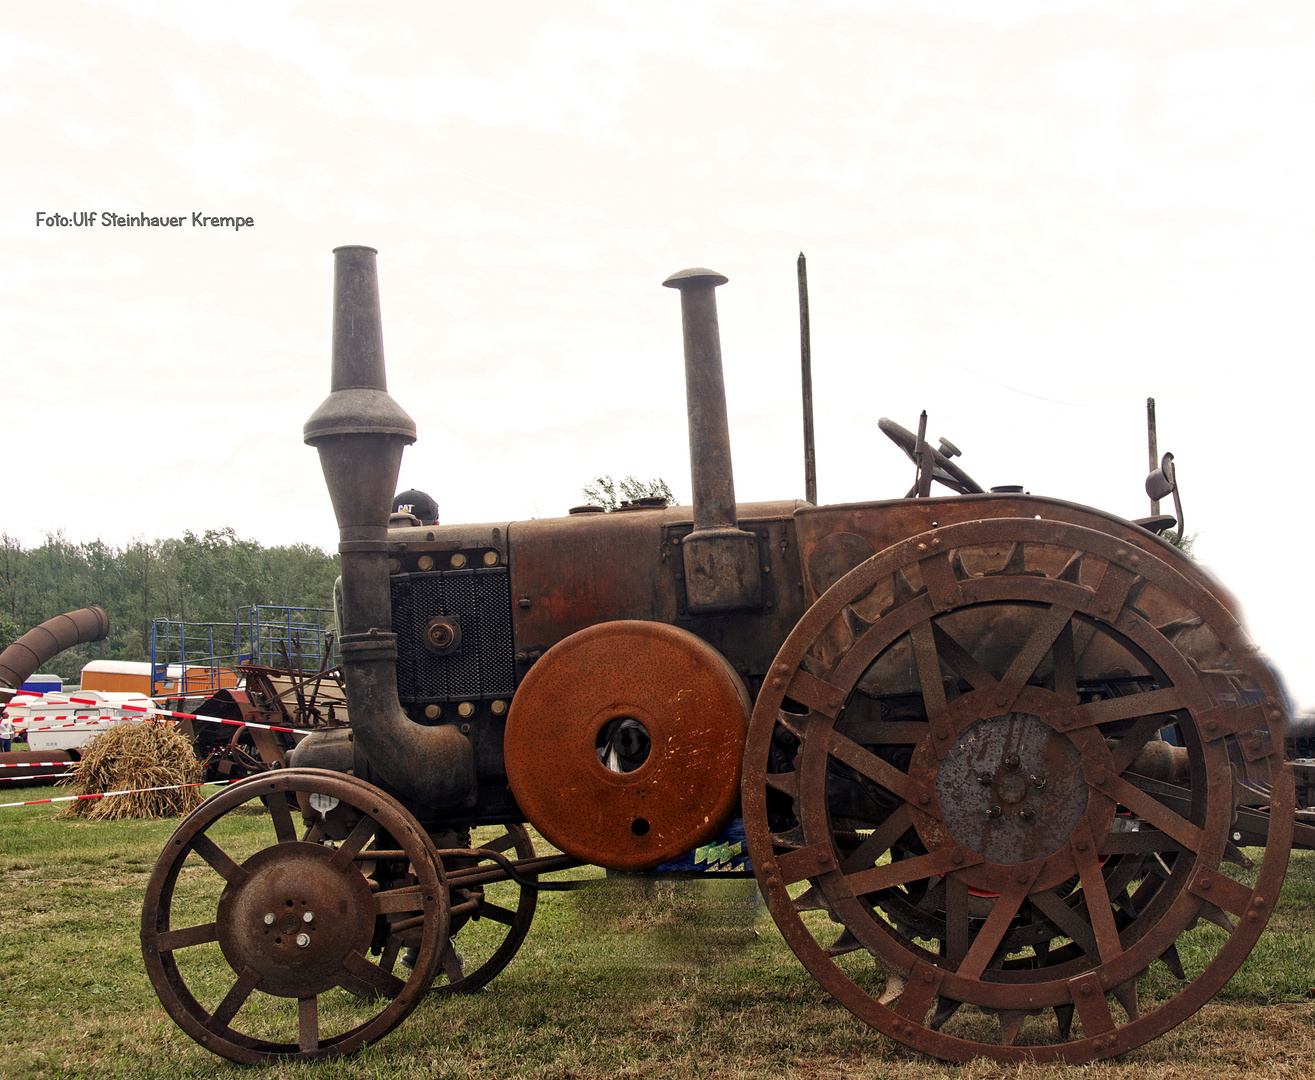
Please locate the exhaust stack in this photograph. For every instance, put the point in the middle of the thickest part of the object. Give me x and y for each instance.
(360, 433)
(722, 568)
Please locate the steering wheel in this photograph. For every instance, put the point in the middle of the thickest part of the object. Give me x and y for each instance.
(943, 469)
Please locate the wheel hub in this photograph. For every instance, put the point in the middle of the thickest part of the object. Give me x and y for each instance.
(295, 919)
(1011, 788)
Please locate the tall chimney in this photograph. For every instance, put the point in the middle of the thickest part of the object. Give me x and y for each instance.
(360, 433)
(722, 567)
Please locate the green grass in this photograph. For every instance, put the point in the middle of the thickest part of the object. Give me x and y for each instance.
(621, 979)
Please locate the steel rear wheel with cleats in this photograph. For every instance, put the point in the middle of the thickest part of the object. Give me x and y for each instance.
(260, 951)
(960, 808)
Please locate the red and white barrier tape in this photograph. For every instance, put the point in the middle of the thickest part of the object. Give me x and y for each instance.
(146, 710)
(38, 776)
(129, 791)
(32, 765)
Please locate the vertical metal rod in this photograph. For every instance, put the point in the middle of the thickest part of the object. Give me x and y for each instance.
(711, 475)
(1153, 449)
(922, 456)
(806, 365)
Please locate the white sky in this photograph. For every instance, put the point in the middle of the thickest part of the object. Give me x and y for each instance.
(1024, 217)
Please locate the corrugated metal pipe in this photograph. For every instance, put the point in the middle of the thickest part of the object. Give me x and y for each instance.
(24, 657)
(360, 433)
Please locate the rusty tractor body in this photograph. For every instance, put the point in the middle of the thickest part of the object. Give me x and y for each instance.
(990, 750)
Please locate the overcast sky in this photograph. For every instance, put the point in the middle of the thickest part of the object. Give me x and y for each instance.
(1023, 217)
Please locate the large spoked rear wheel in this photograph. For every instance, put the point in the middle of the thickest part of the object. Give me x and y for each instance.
(265, 940)
(964, 805)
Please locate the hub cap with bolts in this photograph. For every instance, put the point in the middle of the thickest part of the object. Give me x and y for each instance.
(1011, 788)
(267, 922)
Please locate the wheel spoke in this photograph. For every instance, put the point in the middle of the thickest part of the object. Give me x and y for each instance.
(993, 931)
(188, 936)
(929, 671)
(820, 696)
(1150, 809)
(902, 871)
(934, 898)
(361, 835)
(308, 1024)
(1221, 891)
(956, 920)
(1029, 657)
(284, 827)
(395, 900)
(1069, 922)
(1100, 912)
(882, 772)
(1149, 704)
(212, 853)
(958, 658)
(234, 999)
(497, 913)
(385, 982)
(502, 843)
(1136, 737)
(1066, 666)
(881, 840)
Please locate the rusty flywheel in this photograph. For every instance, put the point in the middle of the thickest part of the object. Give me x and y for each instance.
(623, 743)
(990, 782)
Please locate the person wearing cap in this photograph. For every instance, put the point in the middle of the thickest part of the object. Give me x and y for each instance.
(418, 504)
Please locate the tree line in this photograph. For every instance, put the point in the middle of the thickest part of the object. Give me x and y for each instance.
(203, 578)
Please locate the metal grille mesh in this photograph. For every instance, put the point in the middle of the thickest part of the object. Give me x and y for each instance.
(484, 666)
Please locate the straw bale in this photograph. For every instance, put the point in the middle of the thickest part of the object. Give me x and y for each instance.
(132, 756)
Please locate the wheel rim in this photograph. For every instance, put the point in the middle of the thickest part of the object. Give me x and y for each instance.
(294, 922)
(500, 917)
(968, 841)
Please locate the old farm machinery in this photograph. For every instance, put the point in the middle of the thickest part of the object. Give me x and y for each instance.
(991, 750)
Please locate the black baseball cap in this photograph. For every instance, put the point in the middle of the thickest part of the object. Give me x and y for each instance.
(417, 503)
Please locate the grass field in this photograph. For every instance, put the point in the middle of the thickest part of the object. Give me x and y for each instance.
(617, 980)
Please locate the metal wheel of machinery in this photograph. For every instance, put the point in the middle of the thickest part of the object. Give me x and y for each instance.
(294, 957)
(489, 919)
(960, 808)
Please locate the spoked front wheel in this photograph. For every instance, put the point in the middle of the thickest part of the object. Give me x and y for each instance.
(253, 946)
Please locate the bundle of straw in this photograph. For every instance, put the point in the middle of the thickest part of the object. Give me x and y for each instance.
(131, 756)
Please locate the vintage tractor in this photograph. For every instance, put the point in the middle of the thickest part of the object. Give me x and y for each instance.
(990, 750)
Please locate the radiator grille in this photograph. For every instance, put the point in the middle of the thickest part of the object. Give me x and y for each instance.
(484, 666)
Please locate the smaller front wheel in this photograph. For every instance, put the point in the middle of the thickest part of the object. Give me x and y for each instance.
(273, 965)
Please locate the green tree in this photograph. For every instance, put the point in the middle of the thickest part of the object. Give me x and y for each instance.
(195, 578)
(9, 631)
(611, 494)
